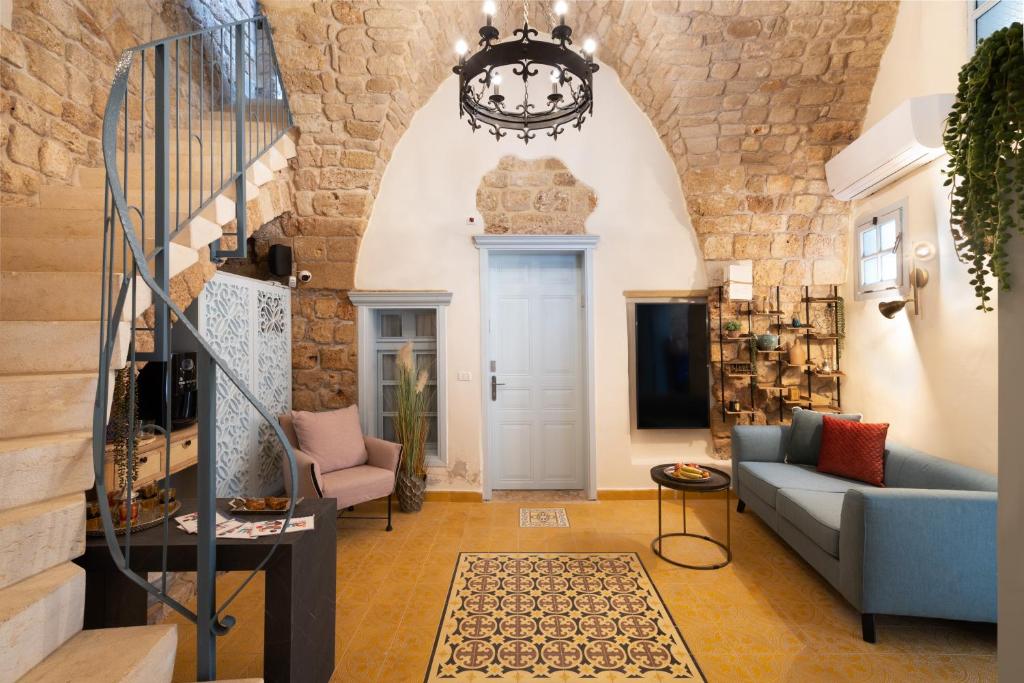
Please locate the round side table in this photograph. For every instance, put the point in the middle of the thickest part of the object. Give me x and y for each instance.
(718, 481)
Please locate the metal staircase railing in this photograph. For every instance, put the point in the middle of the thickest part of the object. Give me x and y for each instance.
(186, 118)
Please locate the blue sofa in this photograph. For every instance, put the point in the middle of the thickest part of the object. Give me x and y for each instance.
(924, 545)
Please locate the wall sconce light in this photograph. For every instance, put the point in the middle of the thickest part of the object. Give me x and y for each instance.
(918, 279)
(924, 251)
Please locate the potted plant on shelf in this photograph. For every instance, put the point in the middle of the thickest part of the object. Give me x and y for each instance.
(732, 329)
(411, 429)
(123, 442)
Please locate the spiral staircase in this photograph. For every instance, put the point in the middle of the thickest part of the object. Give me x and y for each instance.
(196, 129)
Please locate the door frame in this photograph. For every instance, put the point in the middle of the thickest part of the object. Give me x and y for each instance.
(582, 246)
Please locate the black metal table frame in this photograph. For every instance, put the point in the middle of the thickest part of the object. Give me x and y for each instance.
(727, 546)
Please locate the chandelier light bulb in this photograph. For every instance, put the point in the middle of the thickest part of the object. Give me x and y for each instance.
(554, 76)
(561, 8)
(496, 79)
(461, 48)
(589, 46)
(490, 8)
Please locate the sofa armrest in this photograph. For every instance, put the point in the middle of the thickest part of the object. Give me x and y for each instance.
(382, 454)
(757, 443)
(919, 552)
(310, 479)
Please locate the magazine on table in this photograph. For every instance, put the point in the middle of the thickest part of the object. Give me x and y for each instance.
(233, 528)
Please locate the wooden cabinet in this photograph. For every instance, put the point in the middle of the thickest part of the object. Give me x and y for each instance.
(151, 460)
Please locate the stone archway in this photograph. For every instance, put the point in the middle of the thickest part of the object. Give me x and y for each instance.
(749, 98)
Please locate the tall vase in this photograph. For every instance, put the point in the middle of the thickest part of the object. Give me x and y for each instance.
(797, 353)
(410, 489)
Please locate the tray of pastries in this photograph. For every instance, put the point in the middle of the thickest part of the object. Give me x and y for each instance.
(268, 505)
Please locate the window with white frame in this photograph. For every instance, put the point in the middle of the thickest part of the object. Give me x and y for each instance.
(985, 17)
(394, 329)
(879, 249)
(387, 321)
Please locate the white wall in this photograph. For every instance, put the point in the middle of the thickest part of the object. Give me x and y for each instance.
(932, 377)
(418, 238)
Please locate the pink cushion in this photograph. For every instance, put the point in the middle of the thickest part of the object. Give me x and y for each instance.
(358, 485)
(333, 438)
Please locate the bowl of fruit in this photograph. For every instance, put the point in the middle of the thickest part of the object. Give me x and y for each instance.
(687, 472)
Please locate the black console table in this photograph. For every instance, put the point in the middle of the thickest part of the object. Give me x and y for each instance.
(298, 618)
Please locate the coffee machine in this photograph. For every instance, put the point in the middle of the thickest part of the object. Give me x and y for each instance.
(183, 392)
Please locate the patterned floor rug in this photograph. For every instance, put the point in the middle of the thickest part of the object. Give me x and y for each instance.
(542, 517)
(532, 617)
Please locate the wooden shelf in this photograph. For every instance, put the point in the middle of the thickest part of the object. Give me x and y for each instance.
(829, 375)
(772, 351)
(742, 337)
(806, 401)
(740, 412)
(776, 387)
(738, 375)
(819, 300)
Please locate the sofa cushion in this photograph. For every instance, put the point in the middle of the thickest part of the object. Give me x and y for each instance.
(766, 478)
(358, 484)
(805, 435)
(815, 513)
(855, 450)
(333, 438)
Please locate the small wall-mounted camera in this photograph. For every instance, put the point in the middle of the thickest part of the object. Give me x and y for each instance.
(305, 276)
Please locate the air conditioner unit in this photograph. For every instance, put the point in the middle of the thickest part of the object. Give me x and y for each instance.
(908, 137)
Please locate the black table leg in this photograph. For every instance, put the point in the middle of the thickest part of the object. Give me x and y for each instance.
(112, 599)
(659, 519)
(300, 585)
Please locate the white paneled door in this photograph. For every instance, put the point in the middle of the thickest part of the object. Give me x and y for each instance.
(535, 412)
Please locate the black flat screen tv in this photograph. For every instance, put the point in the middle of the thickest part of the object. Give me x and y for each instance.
(672, 375)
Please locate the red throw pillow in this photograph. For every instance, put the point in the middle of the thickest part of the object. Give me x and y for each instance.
(853, 450)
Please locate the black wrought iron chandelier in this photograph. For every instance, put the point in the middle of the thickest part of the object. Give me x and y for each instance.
(569, 87)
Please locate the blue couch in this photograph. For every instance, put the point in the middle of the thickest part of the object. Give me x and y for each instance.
(924, 545)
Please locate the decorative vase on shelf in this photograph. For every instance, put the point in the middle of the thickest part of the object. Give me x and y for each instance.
(767, 342)
(797, 353)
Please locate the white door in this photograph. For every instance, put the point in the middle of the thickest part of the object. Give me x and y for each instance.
(536, 392)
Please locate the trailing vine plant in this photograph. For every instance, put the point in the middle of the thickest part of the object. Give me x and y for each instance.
(984, 138)
(120, 433)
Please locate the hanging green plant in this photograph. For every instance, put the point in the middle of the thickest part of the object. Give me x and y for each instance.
(122, 438)
(985, 141)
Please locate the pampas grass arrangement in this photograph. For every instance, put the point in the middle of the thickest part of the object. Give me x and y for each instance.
(411, 424)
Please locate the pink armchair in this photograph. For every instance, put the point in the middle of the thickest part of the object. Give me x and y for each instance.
(349, 486)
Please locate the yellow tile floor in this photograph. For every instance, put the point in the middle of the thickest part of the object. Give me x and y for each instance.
(766, 617)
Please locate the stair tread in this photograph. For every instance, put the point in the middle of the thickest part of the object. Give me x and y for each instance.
(18, 443)
(16, 597)
(110, 655)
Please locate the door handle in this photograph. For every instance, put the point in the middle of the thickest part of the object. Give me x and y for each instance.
(494, 387)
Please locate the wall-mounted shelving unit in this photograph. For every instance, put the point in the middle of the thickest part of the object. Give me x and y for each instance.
(828, 398)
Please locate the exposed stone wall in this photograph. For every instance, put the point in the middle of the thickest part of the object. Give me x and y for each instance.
(539, 196)
(750, 98)
(56, 62)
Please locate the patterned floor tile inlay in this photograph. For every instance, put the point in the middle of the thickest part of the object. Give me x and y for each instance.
(543, 517)
(532, 617)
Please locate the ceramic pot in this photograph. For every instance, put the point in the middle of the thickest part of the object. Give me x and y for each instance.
(767, 342)
(797, 353)
(410, 490)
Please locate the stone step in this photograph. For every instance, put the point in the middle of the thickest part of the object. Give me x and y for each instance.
(34, 346)
(257, 174)
(79, 255)
(61, 296)
(38, 615)
(134, 654)
(35, 221)
(46, 403)
(35, 468)
(35, 537)
(220, 210)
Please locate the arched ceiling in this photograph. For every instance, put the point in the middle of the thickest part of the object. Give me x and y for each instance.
(749, 97)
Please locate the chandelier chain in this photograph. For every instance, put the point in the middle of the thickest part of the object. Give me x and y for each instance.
(526, 11)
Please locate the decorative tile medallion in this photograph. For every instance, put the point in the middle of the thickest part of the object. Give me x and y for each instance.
(543, 517)
(531, 617)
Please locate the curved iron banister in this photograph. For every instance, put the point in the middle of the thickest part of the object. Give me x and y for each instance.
(113, 303)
